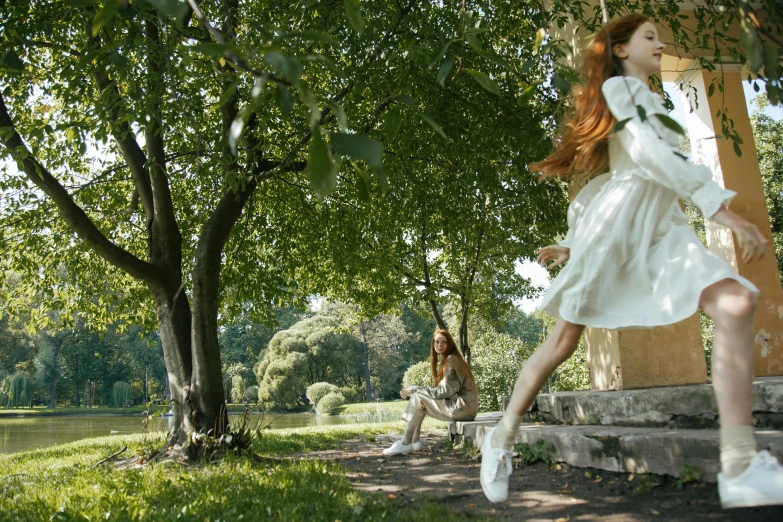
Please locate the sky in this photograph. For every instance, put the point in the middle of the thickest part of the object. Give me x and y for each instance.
(539, 276)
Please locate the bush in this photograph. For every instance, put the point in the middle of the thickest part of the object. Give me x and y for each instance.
(329, 403)
(420, 374)
(496, 362)
(251, 394)
(121, 394)
(319, 390)
(353, 393)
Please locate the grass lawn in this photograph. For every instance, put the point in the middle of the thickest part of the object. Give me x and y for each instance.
(98, 410)
(60, 483)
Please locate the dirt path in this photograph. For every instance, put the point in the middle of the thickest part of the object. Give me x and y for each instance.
(539, 492)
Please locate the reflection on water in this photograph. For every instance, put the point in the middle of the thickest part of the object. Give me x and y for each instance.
(21, 434)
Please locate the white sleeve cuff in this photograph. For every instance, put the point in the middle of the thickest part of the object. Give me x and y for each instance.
(710, 197)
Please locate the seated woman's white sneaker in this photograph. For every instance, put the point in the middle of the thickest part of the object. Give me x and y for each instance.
(759, 485)
(416, 445)
(495, 470)
(398, 448)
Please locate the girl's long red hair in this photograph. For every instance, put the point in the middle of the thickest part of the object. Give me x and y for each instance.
(451, 351)
(583, 149)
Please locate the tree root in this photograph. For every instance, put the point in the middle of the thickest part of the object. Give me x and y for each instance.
(125, 448)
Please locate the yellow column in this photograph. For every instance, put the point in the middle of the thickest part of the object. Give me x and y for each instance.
(742, 175)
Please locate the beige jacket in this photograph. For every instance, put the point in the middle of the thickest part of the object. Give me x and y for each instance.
(457, 390)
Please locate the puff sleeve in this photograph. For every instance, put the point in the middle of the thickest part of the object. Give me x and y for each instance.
(655, 156)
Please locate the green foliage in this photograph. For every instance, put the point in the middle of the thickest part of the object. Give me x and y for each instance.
(16, 390)
(539, 451)
(237, 389)
(312, 350)
(420, 374)
(497, 360)
(768, 136)
(687, 475)
(317, 391)
(251, 394)
(329, 403)
(121, 394)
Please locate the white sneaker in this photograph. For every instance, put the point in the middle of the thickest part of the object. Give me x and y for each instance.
(398, 448)
(759, 485)
(416, 445)
(495, 470)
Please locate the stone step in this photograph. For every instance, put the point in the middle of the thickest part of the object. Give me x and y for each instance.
(672, 406)
(662, 451)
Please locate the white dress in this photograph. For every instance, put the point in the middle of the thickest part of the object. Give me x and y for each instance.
(635, 262)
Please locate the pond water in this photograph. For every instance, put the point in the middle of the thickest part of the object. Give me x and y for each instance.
(26, 433)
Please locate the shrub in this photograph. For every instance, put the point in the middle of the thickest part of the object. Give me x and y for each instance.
(329, 403)
(353, 393)
(319, 390)
(251, 394)
(419, 374)
(121, 394)
(496, 362)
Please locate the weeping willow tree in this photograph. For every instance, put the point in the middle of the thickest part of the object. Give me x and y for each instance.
(121, 395)
(16, 390)
(237, 389)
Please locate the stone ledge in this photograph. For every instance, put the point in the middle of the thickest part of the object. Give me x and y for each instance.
(661, 451)
(691, 406)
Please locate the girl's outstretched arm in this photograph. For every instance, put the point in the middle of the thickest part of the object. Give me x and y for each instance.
(557, 253)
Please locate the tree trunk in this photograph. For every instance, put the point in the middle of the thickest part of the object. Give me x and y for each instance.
(366, 356)
(53, 385)
(463, 332)
(436, 314)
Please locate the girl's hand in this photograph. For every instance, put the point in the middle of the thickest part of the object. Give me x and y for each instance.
(558, 254)
(749, 237)
(406, 392)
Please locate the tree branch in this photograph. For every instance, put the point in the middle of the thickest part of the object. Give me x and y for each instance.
(123, 134)
(71, 213)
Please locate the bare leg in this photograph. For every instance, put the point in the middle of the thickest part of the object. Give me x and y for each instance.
(558, 347)
(732, 307)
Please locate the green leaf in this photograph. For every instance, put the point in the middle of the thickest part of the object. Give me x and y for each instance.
(540, 35)
(642, 113)
(342, 118)
(670, 123)
(227, 95)
(445, 69)
(484, 81)
(391, 126)
(321, 172)
(569, 74)
(284, 100)
(358, 147)
(752, 46)
(440, 55)
(405, 99)
(473, 41)
(12, 61)
(529, 91)
(117, 59)
(362, 182)
(237, 126)
(284, 66)
(620, 124)
(711, 89)
(560, 83)
(312, 36)
(432, 123)
(105, 15)
(354, 16)
(216, 49)
(737, 150)
(495, 58)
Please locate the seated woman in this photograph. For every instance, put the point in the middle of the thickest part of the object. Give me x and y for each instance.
(452, 397)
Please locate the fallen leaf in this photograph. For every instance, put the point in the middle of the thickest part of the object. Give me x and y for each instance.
(450, 490)
(558, 467)
(392, 496)
(596, 481)
(631, 477)
(471, 506)
(654, 512)
(387, 474)
(564, 491)
(588, 474)
(563, 519)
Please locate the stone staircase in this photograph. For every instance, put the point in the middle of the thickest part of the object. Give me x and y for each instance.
(666, 431)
